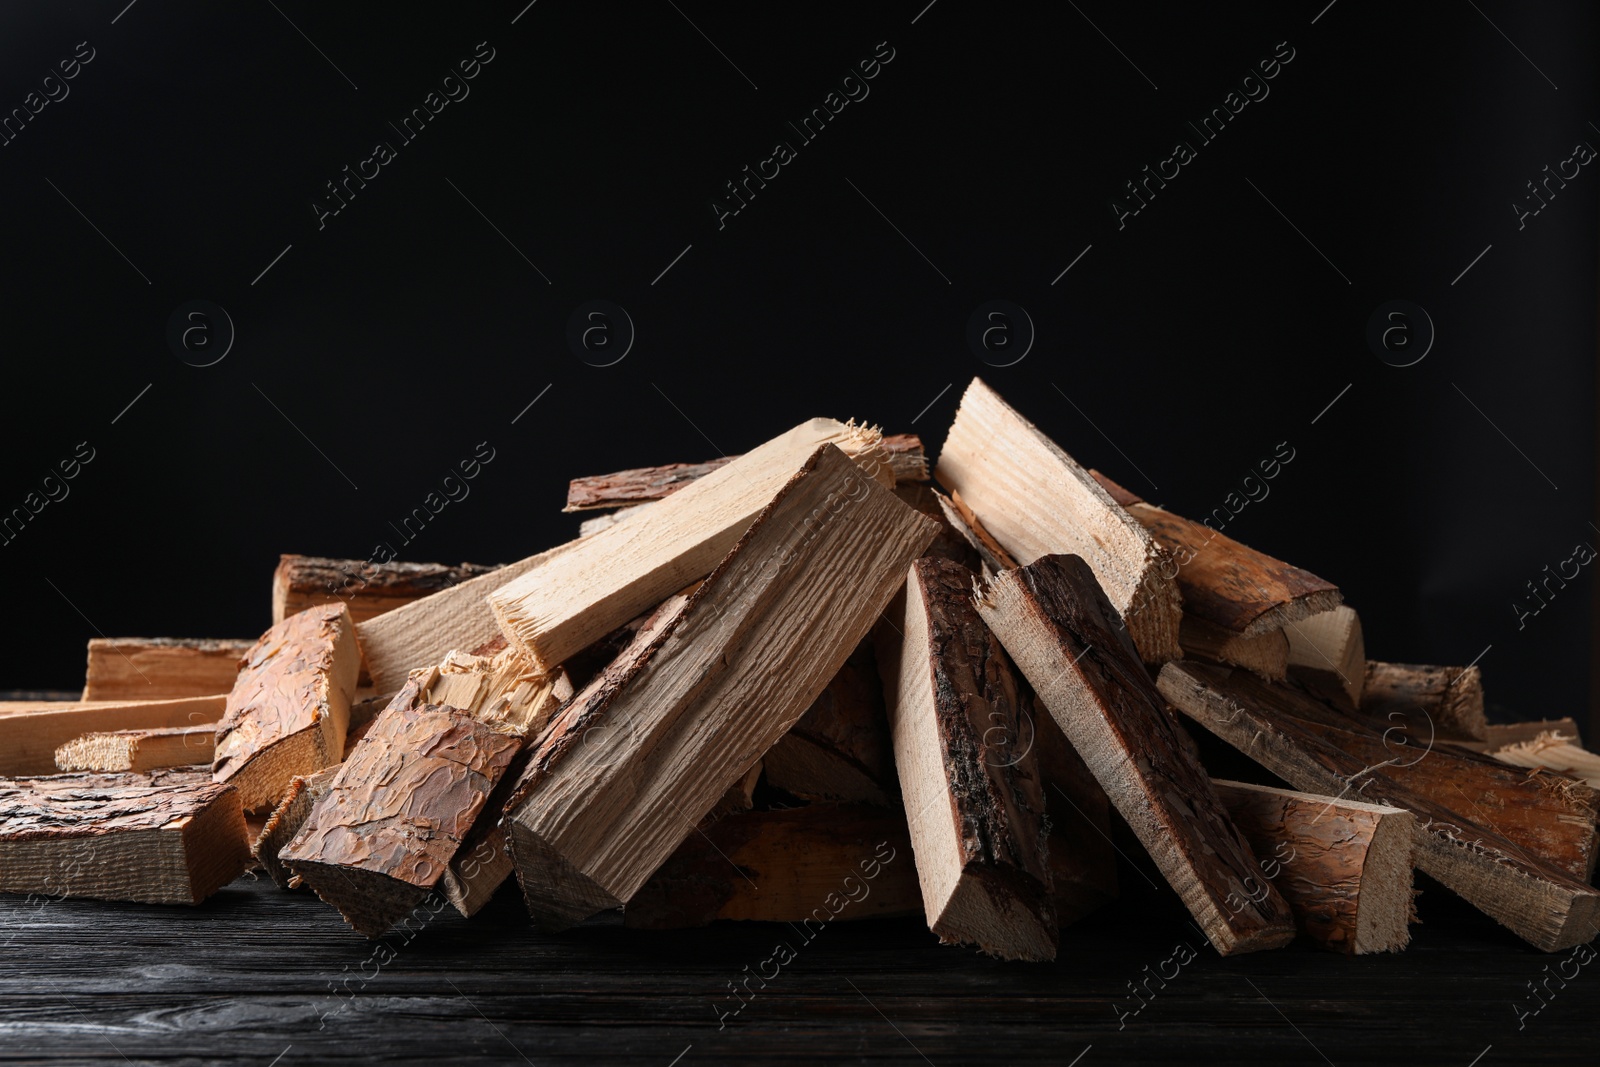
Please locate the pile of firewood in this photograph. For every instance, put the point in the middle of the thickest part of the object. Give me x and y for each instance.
(804, 683)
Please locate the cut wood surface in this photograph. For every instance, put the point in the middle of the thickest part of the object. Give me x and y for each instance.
(290, 708)
(160, 668)
(577, 597)
(140, 751)
(287, 819)
(1442, 702)
(1036, 500)
(30, 734)
(1543, 903)
(170, 838)
(1224, 582)
(962, 728)
(840, 749)
(1343, 865)
(1498, 735)
(1266, 654)
(636, 759)
(1554, 751)
(808, 866)
(1328, 655)
(1081, 856)
(1056, 623)
(381, 838)
(369, 589)
(640, 485)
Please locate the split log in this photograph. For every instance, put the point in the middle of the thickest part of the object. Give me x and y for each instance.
(1080, 853)
(640, 485)
(1224, 582)
(1344, 866)
(962, 728)
(590, 527)
(806, 865)
(169, 838)
(381, 838)
(369, 589)
(1036, 500)
(1498, 735)
(30, 734)
(139, 751)
(1445, 703)
(287, 819)
(1266, 654)
(290, 708)
(555, 610)
(840, 749)
(965, 521)
(1328, 655)
(705, 693)
(1541, 902)
(1556, 752)
(1060, 630)
(160, 668)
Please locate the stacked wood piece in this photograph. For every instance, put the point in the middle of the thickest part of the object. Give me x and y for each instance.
(160, 668)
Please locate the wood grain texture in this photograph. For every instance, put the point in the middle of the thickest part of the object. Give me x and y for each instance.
(1224, 582)
(140, 751)
(31, 733)
(1266, 654)
(1498, 735)
(642, 753)
(1556, 752)
(1060, 630)
(840, 748)
(970, 782)
(555, 610)
(640, 485)
(1440, 702)
(171, 838)
(1344, 866)
(366, 587)
(290, 707)
(160, 668)
(1036, 500)
(794, 865)
(286, 820)
(381, 838)
(1544, 904)
(1328, 655)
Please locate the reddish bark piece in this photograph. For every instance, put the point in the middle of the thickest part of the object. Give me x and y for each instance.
(369, 589)
(1058, 626)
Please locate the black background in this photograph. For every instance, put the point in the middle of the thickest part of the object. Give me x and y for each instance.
(408, 330)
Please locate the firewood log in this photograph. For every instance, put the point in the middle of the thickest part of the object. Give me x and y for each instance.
(160, 668)
(1328, 655)
(31, 733)
(1445, 703)
(140, 751)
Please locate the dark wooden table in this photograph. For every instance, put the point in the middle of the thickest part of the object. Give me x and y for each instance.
(258, 975)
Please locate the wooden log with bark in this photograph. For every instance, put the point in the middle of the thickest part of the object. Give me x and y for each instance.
(805, 865)
(139, 751)
(289, 710)
(168, 838)
(1060, 630)
(286, 820)
(1036, 500)
(1344, 866)
(641, 485)
(635, 760)
(840, 748)
(962, 728)
(31, 733)
(1237, 588)
(1444, 703)
(555, 610)
(965, 521)
(1265, 654)
(367, 588)
(383, 835)
(1328, 655)
(160, 668)
(1542, 901)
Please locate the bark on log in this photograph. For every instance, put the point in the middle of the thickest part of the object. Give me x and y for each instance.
(1266, 655)
(1060, 630)
(369, 589)
(962, 728)
(1544, 904)
(1344, 866)
(1444, 703)
(168, 838)
(290, 708)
